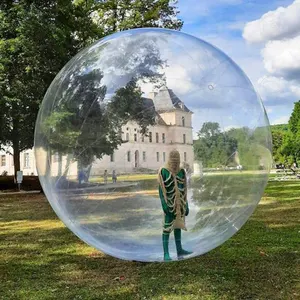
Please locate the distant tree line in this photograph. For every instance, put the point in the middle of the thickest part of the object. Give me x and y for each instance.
(237, 146)
(242, 146)
(286, 139)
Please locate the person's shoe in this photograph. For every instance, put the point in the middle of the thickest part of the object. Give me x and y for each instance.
(183, 252)
(167, 257)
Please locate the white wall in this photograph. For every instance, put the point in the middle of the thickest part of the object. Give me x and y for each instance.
(173, 140)
(9, 166)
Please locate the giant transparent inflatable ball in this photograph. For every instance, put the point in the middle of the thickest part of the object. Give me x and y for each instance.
(152, 145)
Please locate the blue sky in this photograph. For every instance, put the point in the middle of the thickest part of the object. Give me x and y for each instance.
(226, 24)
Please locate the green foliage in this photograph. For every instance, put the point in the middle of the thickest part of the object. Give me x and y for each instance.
(38, 37)
(88, 127)
(213, 147)
(286, 139)
(294, 121)
(36, 40)
(233, 147)
(279, 135)
(121, 15)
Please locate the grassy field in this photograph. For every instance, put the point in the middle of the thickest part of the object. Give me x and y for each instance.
(41, 259)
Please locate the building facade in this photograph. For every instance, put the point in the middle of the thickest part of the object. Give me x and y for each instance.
(27, 162)
(173, 130)
(138, 153)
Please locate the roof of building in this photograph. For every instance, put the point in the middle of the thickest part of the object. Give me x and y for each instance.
(149, 105)
(166, 100)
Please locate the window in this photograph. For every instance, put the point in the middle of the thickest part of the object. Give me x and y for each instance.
(3, 160)
(127, 136)
(128, 156)
(112, 157)
(150, 137)
(135, 137)
(183, 121)
(143, 138)
(184, 156)
(164, 156)
(144, 156)
(163, 138)
(157, 137)
(157, 156)
(26, 160)
(184, 138)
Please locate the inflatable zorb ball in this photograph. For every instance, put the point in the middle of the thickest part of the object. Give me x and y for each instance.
(148, 135)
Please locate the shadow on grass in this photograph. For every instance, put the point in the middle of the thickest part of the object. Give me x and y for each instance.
(49, 262)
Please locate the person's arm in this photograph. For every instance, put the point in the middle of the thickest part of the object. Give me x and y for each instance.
(187, 210)
(163, 202)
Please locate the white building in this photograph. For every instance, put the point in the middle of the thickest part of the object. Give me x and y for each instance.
(27, 163)
(173, 130)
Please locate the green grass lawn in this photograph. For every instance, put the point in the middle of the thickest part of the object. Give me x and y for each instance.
(41, 259)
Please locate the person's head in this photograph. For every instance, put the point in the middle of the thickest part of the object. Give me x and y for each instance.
(174, 161)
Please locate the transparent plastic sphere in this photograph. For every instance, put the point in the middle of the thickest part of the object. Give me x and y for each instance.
(107, 126)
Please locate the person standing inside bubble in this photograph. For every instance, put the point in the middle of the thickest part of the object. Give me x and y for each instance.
(173, 195)
(114, 176)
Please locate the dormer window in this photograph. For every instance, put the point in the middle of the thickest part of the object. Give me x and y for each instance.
(183, 121)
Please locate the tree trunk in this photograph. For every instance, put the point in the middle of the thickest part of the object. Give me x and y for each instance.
(88, 172)
(115, 12)
(16, 154)
(60, 166)
(69, 158)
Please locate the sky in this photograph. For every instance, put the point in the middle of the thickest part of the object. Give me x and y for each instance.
(261, 36)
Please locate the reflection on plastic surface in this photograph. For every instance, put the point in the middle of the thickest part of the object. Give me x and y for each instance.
(111, 118)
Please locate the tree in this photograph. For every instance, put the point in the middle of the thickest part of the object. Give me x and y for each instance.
(121, 15)
(87, 127)
(80, 120)
(213, 147)
(291, 142)
(36, 40)
(279, 135)
(38, 37)
(294, 121)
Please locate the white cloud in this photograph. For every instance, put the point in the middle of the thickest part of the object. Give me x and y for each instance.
(284, 22)
(281, 120)
(280, 31)
(272, 85)
(277, 90)
(295, 89)
(282, 58)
